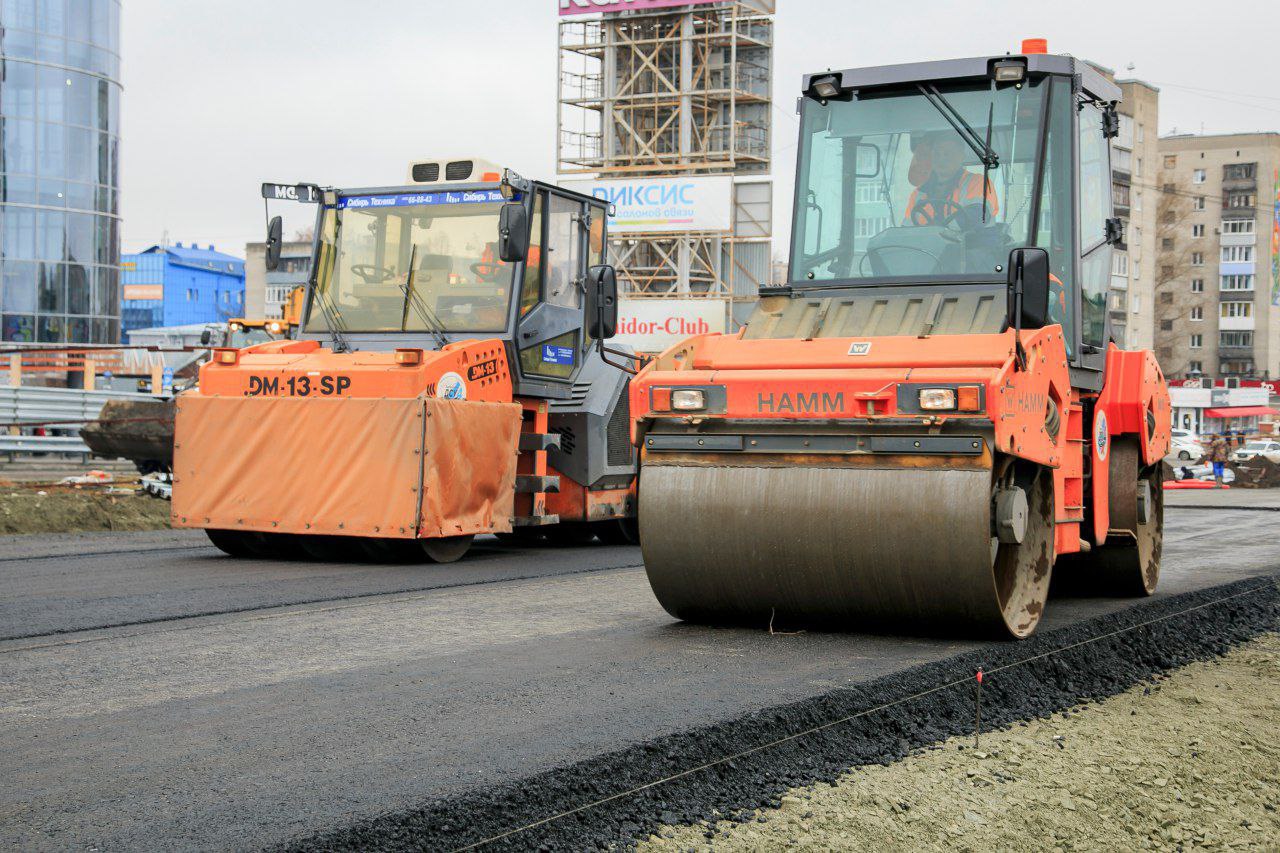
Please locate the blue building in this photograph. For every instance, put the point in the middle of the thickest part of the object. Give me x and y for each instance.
(59, 150)
(177, 285)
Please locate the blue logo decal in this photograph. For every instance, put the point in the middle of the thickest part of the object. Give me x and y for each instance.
(552, 354)
(1101, 437)
(357, 202)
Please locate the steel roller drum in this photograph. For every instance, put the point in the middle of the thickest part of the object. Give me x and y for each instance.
(884, 548)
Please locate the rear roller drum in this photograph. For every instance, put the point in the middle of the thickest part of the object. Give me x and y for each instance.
(447, 549)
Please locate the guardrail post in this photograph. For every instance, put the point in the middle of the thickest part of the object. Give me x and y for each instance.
(15, 370)
(157, 379)
(90, 374)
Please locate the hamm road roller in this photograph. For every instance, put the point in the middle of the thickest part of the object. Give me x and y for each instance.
(931, 417)
(442, 384)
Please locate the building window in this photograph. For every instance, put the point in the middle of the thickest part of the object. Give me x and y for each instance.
(1197, 341)
(1239, 200)
(1170, 161)
(1120, 195)
(1141, 133)
(1234, 310)
(1197, 313)
(1239, 171)
(1120, 263)
(1237, 226)
(1197, 259)
(1134, 302)
(1198, 203)
(1236, 282)
(1137, 168)
(1197, 177)
(1235, 339)
(1137, 199)
(1197, 230)
(1166, 243)
(1197, 285)
(1195, 366)
(1166, 325)
(1237, 254)
(1166, 298)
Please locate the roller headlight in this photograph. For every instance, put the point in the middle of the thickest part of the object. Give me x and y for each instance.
(688, 399)
(937, 399)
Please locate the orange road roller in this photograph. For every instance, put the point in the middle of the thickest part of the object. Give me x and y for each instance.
(933, 416)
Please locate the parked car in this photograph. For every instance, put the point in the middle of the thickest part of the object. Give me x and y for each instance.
(1185, 447)
(1184, 433)
(1266, 447)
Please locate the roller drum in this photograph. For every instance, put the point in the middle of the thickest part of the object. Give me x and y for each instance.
(908, 549)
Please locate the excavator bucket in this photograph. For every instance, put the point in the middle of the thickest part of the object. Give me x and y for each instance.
(138, 430)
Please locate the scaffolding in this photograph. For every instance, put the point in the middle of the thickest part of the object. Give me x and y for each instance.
(670, 92)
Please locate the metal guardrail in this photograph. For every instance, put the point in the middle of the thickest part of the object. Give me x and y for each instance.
(35, 405)
(42, 444)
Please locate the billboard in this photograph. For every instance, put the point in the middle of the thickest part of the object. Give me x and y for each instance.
(653, 325)
(1275, 243)
(590, 7)
(131, 292)
(657, 205)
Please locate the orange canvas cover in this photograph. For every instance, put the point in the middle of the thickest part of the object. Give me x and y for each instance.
(470, 467)
(347, 466)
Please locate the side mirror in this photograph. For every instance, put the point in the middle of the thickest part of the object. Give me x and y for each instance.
(1028, 288)
(513, 232)
(206, 337)
(275, 229)
(602, 302)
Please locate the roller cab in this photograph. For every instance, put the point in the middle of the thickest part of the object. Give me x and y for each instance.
(910, 433)
(441, 383)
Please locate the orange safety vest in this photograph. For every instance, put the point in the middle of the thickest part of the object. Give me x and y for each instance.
(930, 210)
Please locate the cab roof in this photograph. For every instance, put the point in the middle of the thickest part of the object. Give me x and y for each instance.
(973, 68)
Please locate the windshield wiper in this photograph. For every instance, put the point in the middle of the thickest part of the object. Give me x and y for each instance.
(425, 314)
(332, 319)
(990, 160)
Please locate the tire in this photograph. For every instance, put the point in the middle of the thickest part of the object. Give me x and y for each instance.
(1127, 565)
(233, 543)
(391, 551)
(618, 531)
(522, 536)
(1184, 456)
(571, 534)
(331, 549)
(447, 549)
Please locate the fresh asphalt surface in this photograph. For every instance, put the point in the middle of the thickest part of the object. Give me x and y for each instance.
(156, 694)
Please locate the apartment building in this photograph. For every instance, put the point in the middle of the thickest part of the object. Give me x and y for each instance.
(1134, 160)
(1217, 266)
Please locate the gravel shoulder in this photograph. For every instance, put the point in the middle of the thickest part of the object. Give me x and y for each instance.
(1190, 759)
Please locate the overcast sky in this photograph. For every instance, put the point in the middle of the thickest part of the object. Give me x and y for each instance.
(220, 96)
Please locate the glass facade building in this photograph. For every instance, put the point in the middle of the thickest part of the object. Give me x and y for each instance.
(59, 167)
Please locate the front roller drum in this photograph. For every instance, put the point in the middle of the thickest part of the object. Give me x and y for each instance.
(916, 549)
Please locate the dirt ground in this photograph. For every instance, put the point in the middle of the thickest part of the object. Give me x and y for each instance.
(1192, 760)
(62, 510)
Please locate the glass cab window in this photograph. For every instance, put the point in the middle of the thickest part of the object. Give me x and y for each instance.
(412, 262)
(1095, 208)
(902, 183)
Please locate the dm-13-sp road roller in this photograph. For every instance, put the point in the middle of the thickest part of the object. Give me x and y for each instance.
(931, 417)
(443, 383)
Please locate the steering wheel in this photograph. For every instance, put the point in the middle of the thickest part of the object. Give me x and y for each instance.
(369, 271)
(933, 216)
(937, 262)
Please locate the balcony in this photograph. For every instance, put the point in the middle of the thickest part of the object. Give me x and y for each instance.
(1235, 324)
